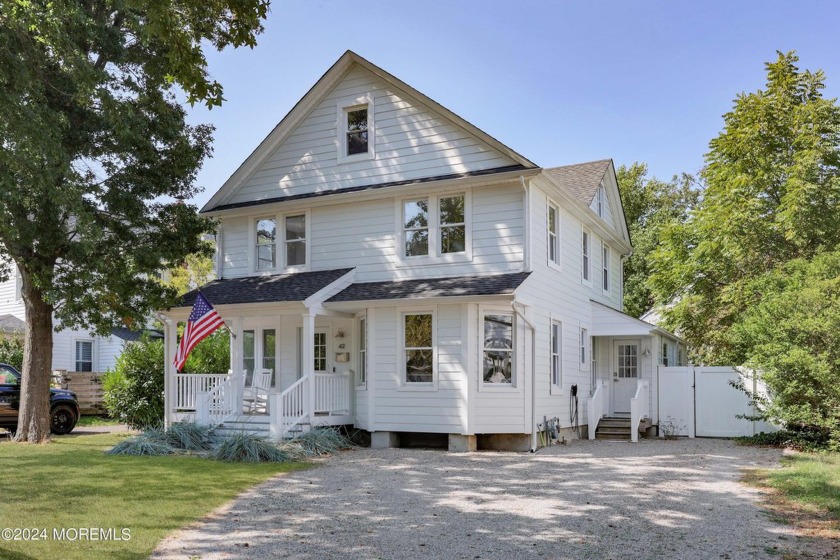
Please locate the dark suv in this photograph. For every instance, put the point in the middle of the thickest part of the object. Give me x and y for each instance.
(64, 408)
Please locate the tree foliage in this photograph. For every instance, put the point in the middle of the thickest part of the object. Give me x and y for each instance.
(650, 205)
(11, 351)
(94, 152)
(752, 273)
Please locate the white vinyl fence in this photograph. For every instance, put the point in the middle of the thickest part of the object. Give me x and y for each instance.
(701, 401)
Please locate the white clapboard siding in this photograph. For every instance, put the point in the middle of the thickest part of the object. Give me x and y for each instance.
(10, 304)
(411, 142)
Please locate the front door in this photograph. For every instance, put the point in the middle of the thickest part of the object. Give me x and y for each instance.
(626, 365)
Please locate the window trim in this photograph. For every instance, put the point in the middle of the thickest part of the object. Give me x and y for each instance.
(606, 266)
(586, 256)
(76, 360)
(555, 388)
(362, 354)
(434, 228)
(403, 384)
(584, 352)
(515, 385)
(555, 264)
(345, 106)
(280, 265)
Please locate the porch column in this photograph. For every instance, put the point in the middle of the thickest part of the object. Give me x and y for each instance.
(308, 359)
(236, 361)
(170, 386)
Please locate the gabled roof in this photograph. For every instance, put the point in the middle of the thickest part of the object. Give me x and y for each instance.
(499, 284)
(10, 324)
(315, 95)
(265, 289)
(581, 179)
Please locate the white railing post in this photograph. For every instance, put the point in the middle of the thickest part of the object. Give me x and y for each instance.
(639, 408)
(202, 406)
(308, 360)
(597, 406)
(276, 415)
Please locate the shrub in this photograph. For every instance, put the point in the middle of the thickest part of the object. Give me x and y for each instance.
(189, 436)
(11, 351)
(248, 448)
(322, 441)
(211, 355)
(133, 390)
(801, 439)
(142, 445)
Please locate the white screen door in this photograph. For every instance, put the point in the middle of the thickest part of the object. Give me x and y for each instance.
(626, 363)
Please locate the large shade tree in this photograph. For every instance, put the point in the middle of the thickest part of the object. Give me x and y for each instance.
(94, 155)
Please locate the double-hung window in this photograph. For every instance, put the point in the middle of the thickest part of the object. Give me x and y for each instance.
(584, 348)
(587, 257)
(556, 363)
(606, 267)
(266, 244)
(553, 240)
(498, 366)
(84, 355)
(296, 240)
(416, 227)
(418, 348)
(434, 226)
(601, 204)
(361, 380)
(356, 130)
(665, 361)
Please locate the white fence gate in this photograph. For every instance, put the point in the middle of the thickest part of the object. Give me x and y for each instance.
(701, 401)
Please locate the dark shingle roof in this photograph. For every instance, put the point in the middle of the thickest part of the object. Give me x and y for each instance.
(265, 289)
(500, 284)
(581, 179)
(132, 336)
(10, 323)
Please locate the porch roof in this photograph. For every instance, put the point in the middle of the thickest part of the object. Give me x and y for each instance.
(498, 284)
(265, 289)
(607, 321)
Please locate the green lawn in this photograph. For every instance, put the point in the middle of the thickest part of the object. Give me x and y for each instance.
(97, 421)
(71, 484)
(812, 480)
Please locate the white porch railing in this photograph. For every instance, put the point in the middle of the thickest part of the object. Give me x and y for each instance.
(598, 406)
(639, 408)
(332, 393)
(188, 385)
(217, 405)
(289, 408)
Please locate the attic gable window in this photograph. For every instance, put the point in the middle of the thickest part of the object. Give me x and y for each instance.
(355, 128)
(357, 131)
(601, 203)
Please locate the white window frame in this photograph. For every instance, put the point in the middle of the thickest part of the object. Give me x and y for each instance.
(255, 261)
(76, 361)
(664, 357)
(280, 243)
(435, 256)
(553, 238)
(306, 241)
(362, 351)
(586, 256)
(343, 107)
(555, 353)
(515, 385)
(606, 265)
(404, 384)
(584, 351)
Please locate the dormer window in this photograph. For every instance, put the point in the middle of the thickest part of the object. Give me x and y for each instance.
(355, 128)
(601, 202)
(357, 131)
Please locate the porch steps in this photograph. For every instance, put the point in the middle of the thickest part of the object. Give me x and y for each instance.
(613, 428)
(257, 425)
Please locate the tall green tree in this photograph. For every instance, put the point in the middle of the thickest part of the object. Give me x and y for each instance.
(772, 194)
(650, 205)
(94, 148)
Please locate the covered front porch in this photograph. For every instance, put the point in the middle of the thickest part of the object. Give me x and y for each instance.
(625, 354)
(291, 360)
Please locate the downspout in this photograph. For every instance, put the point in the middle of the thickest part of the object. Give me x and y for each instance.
(526, 249)
(533, 375)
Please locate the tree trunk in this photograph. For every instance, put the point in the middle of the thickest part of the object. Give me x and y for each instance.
(34, 416)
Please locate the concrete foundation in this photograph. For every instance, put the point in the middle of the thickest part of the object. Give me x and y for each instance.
(504, 442)
(462, 444)
(384, 440)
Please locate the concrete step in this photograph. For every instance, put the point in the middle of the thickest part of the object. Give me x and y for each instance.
(611, 437)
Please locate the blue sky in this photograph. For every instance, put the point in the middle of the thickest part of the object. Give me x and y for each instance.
(559, 82)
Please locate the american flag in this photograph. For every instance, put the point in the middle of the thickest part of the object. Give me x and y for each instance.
(201, 324)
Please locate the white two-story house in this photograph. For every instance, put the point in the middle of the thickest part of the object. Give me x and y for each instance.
(383, 263)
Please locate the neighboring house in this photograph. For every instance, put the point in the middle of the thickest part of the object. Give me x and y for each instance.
(73, 350)
(388, 265)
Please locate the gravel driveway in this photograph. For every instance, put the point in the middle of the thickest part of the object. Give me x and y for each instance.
(656, 499)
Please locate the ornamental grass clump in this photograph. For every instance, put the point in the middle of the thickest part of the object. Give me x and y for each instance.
(249, 448)
(322, 441)
(189, 436)
(142, 445)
